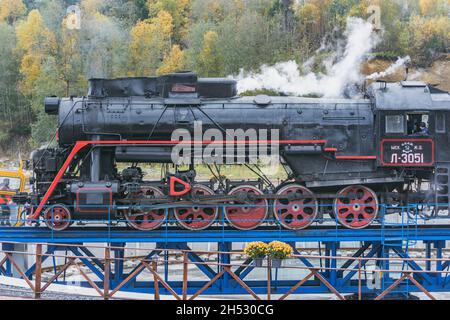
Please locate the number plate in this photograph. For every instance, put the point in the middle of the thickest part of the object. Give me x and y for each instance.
(407, 152)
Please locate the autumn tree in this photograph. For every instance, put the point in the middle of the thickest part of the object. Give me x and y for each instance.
(102, 42)
(434, 7)
(392, 24)
(36, 43)
(427, 38)
(150, 43)
(209, 59)
(40, 57)
(127, 12)
(15, 113)
(91, 7)
(174, 61)
(68, 61)
(208, 10)
(11, 10)
(179, 11)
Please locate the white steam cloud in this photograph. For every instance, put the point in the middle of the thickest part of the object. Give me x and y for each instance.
(391, 69)
(341, 72)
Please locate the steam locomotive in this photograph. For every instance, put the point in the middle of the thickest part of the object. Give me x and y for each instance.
(343, 157)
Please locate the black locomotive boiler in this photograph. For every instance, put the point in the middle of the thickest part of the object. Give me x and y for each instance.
(344, 157)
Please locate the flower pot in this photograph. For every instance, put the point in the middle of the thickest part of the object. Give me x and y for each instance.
(258, 262)
(276, 263)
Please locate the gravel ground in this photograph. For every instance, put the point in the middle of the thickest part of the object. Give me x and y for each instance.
(22, 293)
(19, 293)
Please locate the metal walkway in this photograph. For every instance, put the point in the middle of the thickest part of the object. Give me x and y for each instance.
(124, 235)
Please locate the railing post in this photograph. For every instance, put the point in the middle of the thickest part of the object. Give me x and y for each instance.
(428, 255)
(333, 263)
(106, 273)
(38, 272)
(185, 274)
(359, 281)
(439, 245)
(155, 278)
(225, 260)
(269, 277)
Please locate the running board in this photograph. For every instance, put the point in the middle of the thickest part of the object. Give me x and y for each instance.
(350, 182)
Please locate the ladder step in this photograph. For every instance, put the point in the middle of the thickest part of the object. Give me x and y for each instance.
(442, 187)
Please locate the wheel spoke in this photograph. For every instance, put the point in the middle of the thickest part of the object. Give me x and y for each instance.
(58, 217)
(345, 210)
(294, 213)
(356, 207)
(197, 217)
(145, 218)
(246, 216)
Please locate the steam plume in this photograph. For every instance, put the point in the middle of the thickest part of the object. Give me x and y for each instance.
(391, 69)
(343, 71)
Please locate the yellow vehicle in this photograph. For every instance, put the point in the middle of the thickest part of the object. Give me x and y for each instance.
(11, 182)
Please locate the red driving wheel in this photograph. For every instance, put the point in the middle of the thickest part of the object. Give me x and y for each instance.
(356, 207)
(247, 216)
(296, 214)
(58, 217)
(197, 217)
(145, 218)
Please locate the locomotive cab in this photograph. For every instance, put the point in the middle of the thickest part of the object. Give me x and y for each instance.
(408, 125)
(414, 136)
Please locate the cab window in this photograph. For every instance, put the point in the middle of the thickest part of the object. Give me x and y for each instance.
(440, 122)
(418, 124)
(9, 184)
(395, 124)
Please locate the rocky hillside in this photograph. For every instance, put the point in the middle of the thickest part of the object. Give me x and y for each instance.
(438, 74)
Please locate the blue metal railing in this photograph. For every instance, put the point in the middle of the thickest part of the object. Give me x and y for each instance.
(408, 217)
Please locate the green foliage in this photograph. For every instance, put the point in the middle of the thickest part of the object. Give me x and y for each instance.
(149, 44)
(266, 92)
(48, 84)
(384, 54)
(127, 12)
(427, 38)
(178, 9)
(15, 115)
(43, 130)
(245, 39)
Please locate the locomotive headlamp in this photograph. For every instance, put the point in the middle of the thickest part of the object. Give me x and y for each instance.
(51, 105)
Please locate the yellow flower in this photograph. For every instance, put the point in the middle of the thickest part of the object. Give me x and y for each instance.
(256, 249)
(279, 250)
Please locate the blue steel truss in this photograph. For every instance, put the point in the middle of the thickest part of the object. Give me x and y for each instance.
(381, 241)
